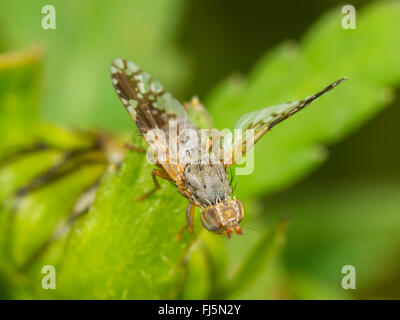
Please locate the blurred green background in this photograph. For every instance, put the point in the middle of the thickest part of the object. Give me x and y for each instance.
(341, 202)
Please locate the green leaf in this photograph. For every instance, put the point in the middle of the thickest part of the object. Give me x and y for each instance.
(125, 249)
(343, 223)
(122, 248)
(118, 237)
(78, 54)
(19, 87)
(369, 56)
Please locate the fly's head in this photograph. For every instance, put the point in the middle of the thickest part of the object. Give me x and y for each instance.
(223, 217)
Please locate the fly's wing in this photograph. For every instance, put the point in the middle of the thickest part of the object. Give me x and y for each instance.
(149, 105)
(262, 121)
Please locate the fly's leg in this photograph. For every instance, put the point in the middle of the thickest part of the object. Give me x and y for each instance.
(154, 174)
(189, 221)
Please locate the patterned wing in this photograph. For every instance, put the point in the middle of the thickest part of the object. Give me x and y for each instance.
(262, 121)
(149, 105)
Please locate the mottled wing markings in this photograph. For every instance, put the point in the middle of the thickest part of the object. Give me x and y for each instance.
(265, 119)
(199, 114)
(149, 105)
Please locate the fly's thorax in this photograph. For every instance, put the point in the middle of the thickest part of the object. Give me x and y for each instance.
(207, 183)
(223, 217)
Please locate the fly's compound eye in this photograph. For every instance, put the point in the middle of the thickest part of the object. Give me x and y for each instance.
(210, 219)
